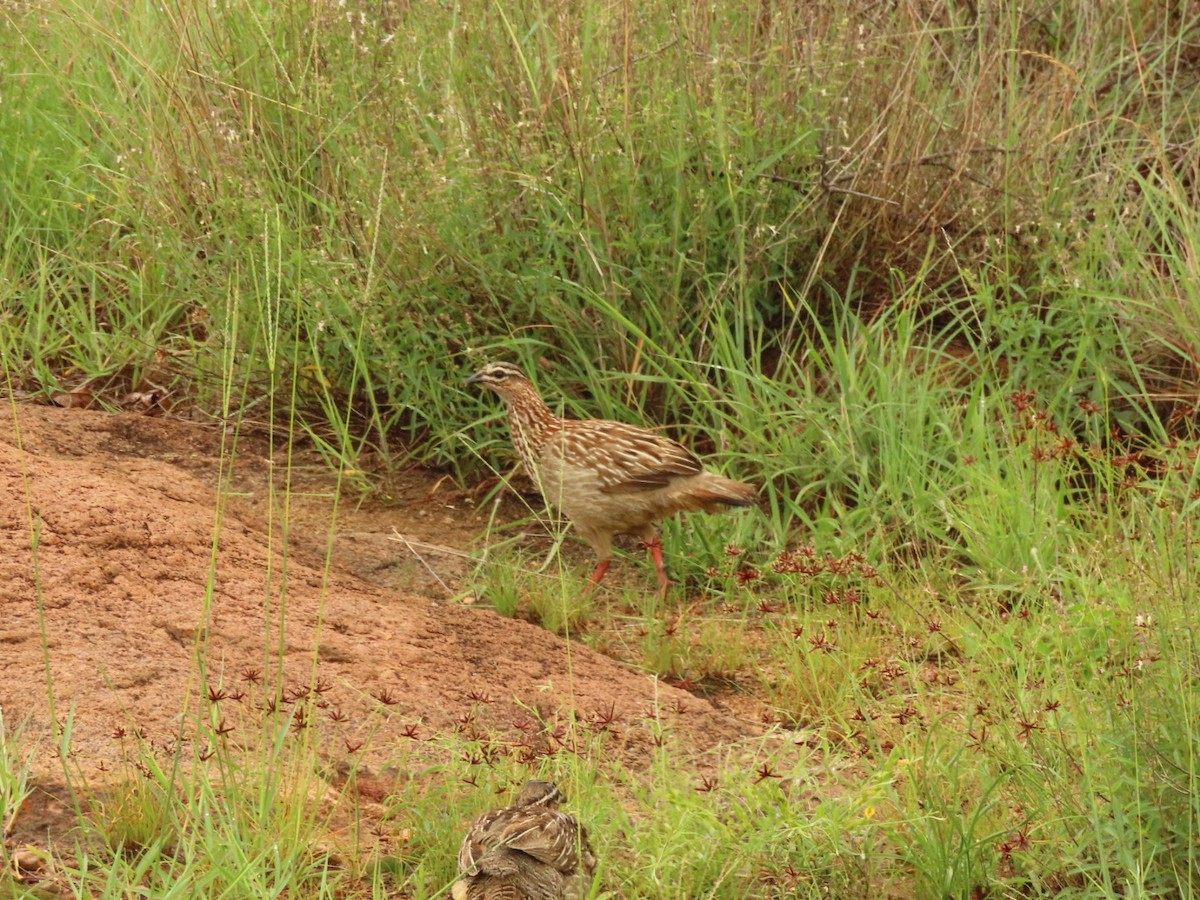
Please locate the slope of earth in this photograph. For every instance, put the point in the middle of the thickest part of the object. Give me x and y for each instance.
(146, 568)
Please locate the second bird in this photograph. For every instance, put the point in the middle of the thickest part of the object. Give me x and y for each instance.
(607, 477)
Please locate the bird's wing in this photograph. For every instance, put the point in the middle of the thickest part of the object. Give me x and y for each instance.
(550, 837)
(482, 837)
(627, 458)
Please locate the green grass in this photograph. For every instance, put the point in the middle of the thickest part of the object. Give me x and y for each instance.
(925, 272)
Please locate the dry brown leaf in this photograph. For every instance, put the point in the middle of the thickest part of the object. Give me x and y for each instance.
(80, 398)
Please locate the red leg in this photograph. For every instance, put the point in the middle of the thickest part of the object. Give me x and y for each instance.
(597, 574)
(654, 545)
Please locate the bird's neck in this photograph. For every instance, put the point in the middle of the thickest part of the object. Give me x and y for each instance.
(532, 422)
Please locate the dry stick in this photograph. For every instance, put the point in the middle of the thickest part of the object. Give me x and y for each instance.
(635, 60)
(412, 548)
(829, 186)
(411, 545)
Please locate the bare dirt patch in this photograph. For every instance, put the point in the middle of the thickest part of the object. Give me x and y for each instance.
(147, 562)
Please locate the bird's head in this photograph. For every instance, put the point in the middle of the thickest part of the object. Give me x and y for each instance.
(503, 378)
(542, 794)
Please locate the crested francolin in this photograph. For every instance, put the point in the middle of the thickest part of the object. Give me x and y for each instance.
(527, 851)
(607, 477)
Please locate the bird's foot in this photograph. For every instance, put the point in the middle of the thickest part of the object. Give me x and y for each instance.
(597, 574)
(654, 545)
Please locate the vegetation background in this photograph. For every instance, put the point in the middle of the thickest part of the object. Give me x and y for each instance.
(927, 271)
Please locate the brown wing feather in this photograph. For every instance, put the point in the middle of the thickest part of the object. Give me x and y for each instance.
(627, 458)
(482, 836)
(547, 836)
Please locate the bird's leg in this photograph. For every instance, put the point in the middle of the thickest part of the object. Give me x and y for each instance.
(654, 545)
(597, 574)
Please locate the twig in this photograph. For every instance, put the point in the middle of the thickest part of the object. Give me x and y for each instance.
(412, 548)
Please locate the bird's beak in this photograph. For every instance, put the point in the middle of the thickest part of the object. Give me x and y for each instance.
(474, 379)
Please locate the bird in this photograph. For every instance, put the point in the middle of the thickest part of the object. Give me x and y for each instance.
(527, 851)
(607, 477)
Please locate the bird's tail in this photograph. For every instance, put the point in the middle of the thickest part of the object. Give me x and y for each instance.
(715, 492)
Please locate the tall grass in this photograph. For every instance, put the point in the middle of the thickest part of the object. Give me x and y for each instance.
(658, 192)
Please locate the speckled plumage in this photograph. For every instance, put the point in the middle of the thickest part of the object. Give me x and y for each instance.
(607, 477)
(527, 851)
